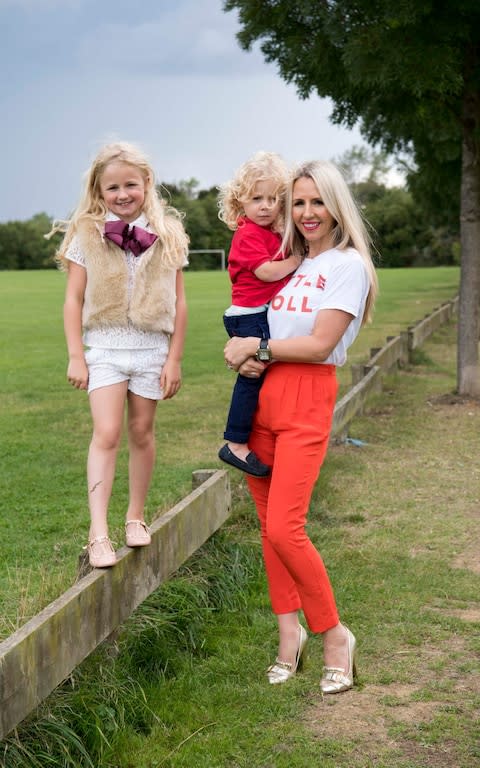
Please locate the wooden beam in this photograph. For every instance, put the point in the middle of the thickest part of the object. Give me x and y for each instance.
(42, 653)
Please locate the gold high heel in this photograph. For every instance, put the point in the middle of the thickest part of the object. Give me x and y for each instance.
(281, 671)
(336, 679)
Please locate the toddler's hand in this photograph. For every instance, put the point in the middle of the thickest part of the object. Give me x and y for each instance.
(298, 259)
(252, 368)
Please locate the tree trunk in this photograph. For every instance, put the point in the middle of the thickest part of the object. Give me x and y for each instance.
(468, 369)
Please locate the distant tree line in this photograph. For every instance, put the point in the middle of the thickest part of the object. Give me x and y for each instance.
(204, 228)
(405, 232)
(402, 232)
(23, 246)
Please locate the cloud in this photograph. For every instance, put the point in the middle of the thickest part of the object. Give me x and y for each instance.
(169, 76)
(38, 5)
(202, 127)
(183, 40)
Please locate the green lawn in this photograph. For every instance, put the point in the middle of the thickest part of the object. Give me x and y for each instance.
(45, 424)
(396, 521)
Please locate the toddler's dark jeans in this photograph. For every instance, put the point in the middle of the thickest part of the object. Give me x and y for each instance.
(245, 392)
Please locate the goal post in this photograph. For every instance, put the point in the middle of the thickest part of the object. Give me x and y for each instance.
(220, 251)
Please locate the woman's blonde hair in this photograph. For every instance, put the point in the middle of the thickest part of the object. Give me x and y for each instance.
(263, 166)
(349, 230)
(164, 220)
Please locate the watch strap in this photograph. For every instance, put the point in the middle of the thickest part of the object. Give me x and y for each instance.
(263, 353)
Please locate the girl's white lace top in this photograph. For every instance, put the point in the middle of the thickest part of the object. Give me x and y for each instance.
(127, 337)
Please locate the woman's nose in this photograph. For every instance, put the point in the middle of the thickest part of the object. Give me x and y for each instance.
(308, 211)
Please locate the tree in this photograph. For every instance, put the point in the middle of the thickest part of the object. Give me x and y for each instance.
(400, 233)
(361, 165)
(202, 224)
(23, 245)
(410, 73)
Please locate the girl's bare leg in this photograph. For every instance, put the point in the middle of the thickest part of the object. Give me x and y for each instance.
(107, 408)
(141, 441)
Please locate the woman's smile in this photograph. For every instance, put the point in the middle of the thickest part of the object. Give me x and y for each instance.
(311, 217)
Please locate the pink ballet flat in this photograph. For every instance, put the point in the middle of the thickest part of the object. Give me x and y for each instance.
(101, 553)
(137, 533)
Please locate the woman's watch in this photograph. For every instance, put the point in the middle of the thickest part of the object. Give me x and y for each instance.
(263, 353)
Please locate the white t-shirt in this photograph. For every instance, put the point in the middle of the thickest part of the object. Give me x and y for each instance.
(334, 279)
(127, 337)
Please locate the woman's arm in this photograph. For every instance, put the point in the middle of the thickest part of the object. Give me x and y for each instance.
(330, 325)
(171, 377)
(77, 371)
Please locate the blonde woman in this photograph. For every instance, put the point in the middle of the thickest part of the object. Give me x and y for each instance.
(125, 320)
(313, 320)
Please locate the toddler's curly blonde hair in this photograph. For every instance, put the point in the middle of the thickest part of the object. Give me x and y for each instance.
(263, 166)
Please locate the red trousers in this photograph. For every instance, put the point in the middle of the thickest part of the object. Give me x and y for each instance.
(290, 433)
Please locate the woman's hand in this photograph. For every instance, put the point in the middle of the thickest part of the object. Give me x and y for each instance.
(237, 350)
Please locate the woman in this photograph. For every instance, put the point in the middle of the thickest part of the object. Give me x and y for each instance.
(313, 320)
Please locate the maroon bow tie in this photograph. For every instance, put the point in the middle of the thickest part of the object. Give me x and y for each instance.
(136, 239)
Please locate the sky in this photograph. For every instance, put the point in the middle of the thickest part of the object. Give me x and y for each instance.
(168, 75)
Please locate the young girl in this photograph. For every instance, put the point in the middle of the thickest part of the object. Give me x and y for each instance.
(251, 204)
(125, 321)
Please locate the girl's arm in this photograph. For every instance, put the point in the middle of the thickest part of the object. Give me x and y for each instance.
(330, 325)
(77, 371)
(171, 377)
(270, 271)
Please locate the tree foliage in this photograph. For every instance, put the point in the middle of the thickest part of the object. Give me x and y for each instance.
(202, 224)
(397, 67)
(409, 72)
(23, 245)
(399, 232)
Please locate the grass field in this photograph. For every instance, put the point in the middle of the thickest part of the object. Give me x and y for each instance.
(396, 521)
(45, 424)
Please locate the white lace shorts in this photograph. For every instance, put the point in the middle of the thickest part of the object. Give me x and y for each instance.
(140, 367)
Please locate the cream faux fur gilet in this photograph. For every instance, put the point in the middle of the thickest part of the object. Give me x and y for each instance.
(106, 304)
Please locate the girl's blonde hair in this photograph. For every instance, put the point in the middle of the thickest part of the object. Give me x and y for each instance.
(164, 220)
(263, 166)
(349, 230)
